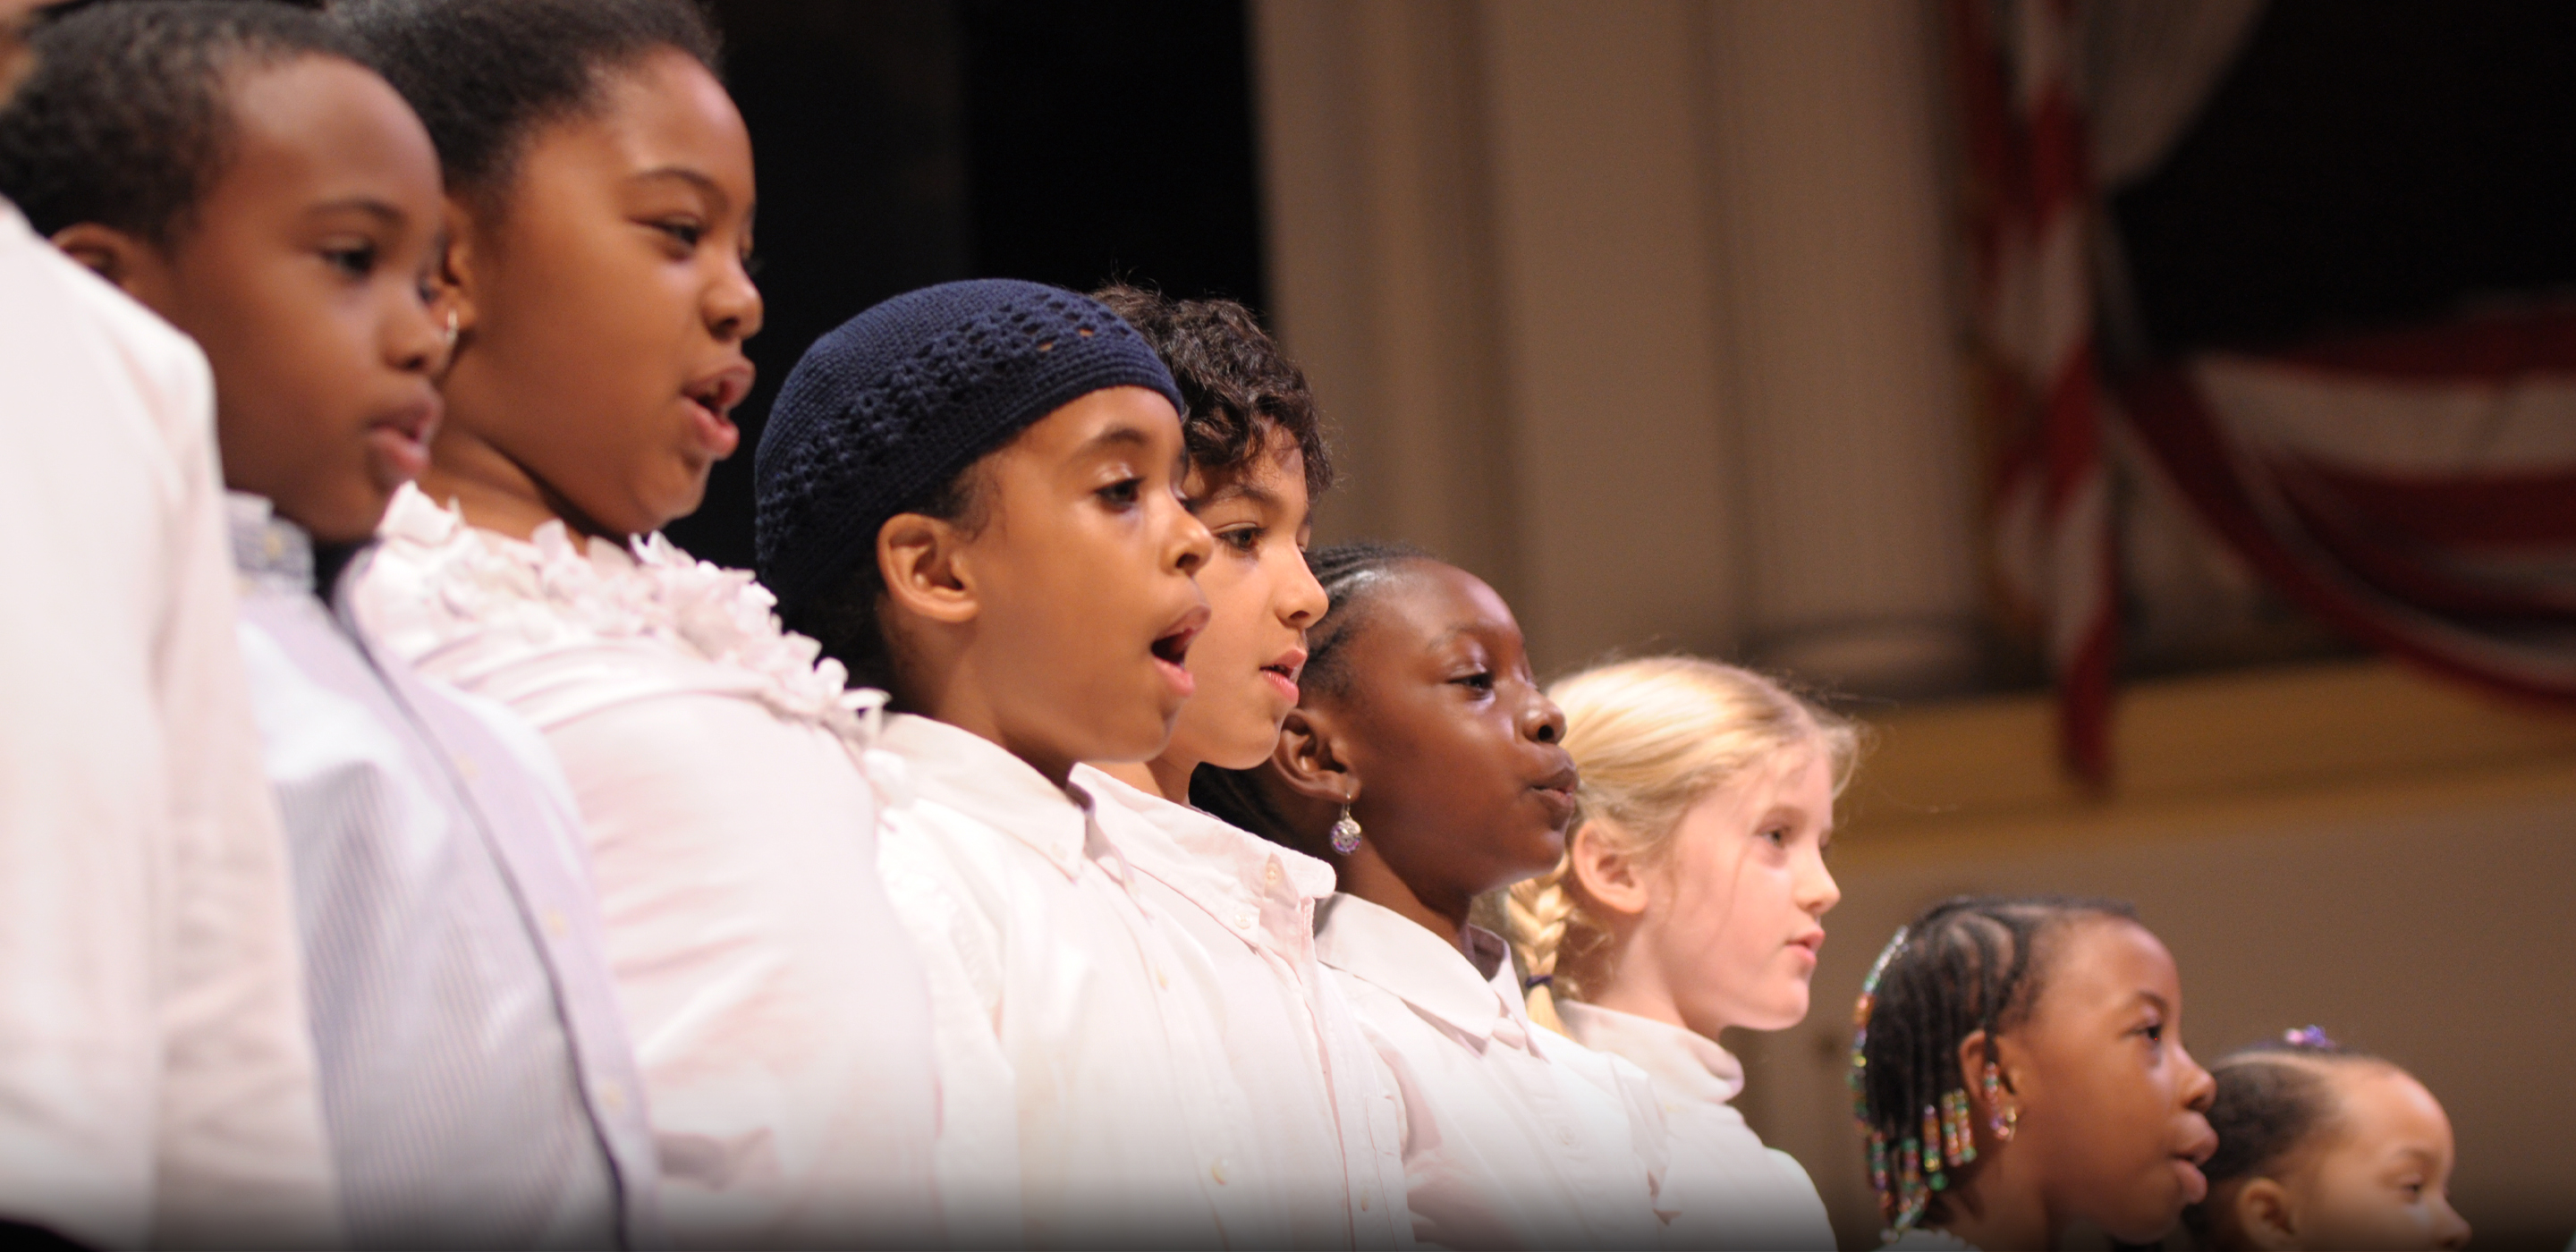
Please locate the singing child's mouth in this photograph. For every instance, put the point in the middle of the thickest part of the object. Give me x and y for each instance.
(1172, 650)
(1283, 672)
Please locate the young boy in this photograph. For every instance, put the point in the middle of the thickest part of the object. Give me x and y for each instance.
(236, 168)
(969, 494)
(1257, 460)
(156, 1070)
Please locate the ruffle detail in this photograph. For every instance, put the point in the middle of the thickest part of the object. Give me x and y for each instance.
(552, 591)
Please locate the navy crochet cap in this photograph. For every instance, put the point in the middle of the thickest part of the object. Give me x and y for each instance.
(892, 404)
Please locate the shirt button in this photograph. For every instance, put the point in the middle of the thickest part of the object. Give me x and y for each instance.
(557, 924)
(1270, 873)
(1217, 1171)
(1364, 1200)
(1243, 921)
(611, 1096)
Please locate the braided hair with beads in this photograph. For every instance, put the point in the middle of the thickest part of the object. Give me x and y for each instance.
(1350, 574)
(1969, 964)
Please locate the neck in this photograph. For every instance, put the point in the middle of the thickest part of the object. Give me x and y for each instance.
(1367, 875)
(2001, 1209)
(959, 700)
(1161, 776)
(497, 493)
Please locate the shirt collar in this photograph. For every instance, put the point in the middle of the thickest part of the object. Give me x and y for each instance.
(1690, 1063)
(979, 778)
(1388, 950)
(1232, 873)
(269, 552)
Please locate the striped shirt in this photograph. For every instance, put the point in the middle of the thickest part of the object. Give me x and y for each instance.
(478, 1089)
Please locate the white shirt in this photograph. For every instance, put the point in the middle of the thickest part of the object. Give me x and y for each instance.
(777, 1009)
(1089, 1097)
(1515, 1137)
(1329, 1130)
(156, 1076)
(1724, 1188)
(477, 1085)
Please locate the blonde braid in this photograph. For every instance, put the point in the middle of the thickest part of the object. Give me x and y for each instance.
(1541, 911)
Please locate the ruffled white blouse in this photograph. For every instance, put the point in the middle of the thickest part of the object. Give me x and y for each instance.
(779, 1012)
(1722, 1188)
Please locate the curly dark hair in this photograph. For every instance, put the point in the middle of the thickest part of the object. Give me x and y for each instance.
(486, 74)
(1352, 575)
(1967, 964)
(1239, 387)
(125, 121)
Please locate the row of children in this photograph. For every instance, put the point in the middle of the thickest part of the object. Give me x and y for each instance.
(502, 876)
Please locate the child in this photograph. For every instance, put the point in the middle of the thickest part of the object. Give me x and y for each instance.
(1691, 899)
(600, 193)
(2017, 1067)
(1424, 763)
(156, 1065)
(472, 1056)
(971, 493)
(1257, 460)
(2319, 1147)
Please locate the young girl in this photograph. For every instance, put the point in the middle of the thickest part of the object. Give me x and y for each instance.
(1424, 763)
(2319, 1147)
(1691, 899)
(2017, 1067)
(1257, 461)
(600, 197)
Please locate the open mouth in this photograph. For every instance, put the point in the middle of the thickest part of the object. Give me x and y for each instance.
(1171, 650)
(712, 400)
(1283, 672)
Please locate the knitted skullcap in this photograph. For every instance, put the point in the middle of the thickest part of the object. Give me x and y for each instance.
(886, 409)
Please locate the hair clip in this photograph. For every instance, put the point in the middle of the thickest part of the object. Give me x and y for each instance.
(2308, 1037)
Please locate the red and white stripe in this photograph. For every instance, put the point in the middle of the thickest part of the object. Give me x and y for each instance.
(2030, 214)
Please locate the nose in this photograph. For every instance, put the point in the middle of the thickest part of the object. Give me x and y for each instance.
(1302, 599)
(734, 308)
(1817, 892)
(2450, 1230)
(1543, 722)
(1191, 544)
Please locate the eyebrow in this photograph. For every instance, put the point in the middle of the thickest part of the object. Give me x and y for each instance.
(1115, 436)
(369, 205)
(2156, 1000)
(1240, 490)
(694, 178)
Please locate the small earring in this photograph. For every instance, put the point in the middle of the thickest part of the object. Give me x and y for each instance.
(1346, 832)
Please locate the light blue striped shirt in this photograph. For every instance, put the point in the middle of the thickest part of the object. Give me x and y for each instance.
(478, 1087)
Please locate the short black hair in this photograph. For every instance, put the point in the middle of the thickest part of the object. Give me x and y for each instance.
(2268, 1105)
(1352, 574)
(485, 74)
(1968, 964)
(1239, 386)
(125, 121)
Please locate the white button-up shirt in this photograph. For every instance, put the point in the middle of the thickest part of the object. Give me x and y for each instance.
(1723, 1189)
(1515, 1137)
(474, 1063)
(1090, 1099)
(1329, 1133)
(156, 1074)
(777, 1009)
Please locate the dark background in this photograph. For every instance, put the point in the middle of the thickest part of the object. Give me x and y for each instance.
(906, 144)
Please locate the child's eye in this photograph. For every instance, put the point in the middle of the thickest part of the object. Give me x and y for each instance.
(2154, 1031)
(1244, 539)
(1122, 493)
(688, 233)
(1778, 835)
(356, 261)
(1481, 680)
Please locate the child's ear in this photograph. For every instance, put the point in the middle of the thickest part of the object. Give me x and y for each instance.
(137, 268)
(917, 557)
(2264, 1215)
(1604, 868)
(451, 281)
(1307, 759)
(2012, 1085)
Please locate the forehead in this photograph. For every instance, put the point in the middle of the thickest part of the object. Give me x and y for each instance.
(1139, 420)
(2096, 966)
(1428, 601)
(1276, 470)
(318, 126)
(663, 109)
(2384, 1106)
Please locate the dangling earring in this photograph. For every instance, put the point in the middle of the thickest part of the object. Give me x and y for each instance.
(1346, 832)
(2004, 1118)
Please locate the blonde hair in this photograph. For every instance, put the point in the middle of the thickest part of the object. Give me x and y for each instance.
(1653, 737)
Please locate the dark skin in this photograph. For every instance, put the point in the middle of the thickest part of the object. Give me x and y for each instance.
(1056, 620)
(1442, 743)
(2110, 1106)
(300, 272)
(604, 298)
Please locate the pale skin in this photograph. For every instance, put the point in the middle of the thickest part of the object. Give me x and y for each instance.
(2378, 1178)
(2106, 1104)
(1261, 599)
(1723, 927)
